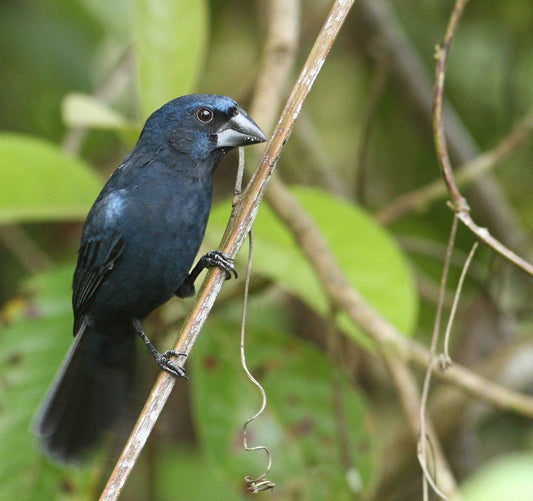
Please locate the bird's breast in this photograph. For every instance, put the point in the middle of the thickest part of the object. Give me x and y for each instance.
(162, 231)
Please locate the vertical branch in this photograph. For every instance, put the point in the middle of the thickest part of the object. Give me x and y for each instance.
(409, 74)
(422, 440)
(460, 205)
(440, 138)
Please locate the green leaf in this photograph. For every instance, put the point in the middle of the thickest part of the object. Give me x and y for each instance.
(300, 425)
(170, 42)
(110, 15)
(41, 183)
(184, 470)
(82, 110)
(33, 341)
(508, 477)
(367, 254)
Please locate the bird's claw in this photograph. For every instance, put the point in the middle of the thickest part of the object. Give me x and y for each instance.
(220, 260)
(163, 360)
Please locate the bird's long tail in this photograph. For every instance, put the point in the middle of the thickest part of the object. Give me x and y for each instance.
(89, 393)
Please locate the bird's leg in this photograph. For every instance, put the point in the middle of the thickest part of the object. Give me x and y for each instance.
(162, 359)
(209, 260)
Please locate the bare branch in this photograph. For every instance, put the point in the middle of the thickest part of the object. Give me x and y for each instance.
(346, 298)
(381, 25)
(421, 453)
(440, 139)
(460, 205)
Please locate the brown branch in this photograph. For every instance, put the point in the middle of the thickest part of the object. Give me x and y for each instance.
(484, 235)
(379, 24)
(460, 205)
(346, 298)
(441, 55)
(233, 239)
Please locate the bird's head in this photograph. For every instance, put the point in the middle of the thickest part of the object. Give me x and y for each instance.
(200, 125)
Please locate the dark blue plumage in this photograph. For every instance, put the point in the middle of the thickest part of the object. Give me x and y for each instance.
(138, 244)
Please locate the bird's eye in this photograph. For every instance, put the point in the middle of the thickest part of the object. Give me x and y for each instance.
(205, 115)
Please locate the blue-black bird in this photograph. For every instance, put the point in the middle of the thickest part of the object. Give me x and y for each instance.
(137, 248)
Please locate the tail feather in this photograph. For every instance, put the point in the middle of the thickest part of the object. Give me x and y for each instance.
(88, 395)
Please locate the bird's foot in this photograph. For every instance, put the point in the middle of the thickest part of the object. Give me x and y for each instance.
(209, 260)
(163, 360)
(220, 260)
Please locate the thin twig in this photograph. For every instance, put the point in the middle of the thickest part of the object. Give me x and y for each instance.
(441, 56)
(436, 251)
(411, 78)
(446, 360)
(460, 205)
(237, 192)
(484, 235)
(236, 232)
(261, 483)
(421, 450)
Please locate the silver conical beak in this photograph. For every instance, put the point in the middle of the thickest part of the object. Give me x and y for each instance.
(240, 130)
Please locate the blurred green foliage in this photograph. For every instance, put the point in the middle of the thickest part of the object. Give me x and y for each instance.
(42, 183)
(79, 77)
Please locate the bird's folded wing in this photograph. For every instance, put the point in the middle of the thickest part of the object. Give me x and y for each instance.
(96, 258)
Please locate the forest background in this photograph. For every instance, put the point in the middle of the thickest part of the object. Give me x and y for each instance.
(79, 77)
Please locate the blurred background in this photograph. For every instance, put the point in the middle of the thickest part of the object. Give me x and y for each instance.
(78, 79)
